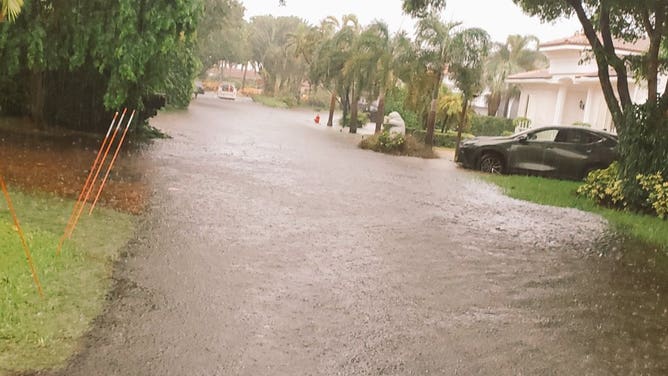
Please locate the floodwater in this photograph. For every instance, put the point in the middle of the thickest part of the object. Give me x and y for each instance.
(272, 246)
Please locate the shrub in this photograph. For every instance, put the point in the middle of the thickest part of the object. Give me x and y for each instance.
(446, 140)
(290, 101)
(657, 190)
(391, 142)
(397, 144)
(269, 101)
(319, 99)
(490, 125)
(395, 100)
(643, 150)
(362, 119)
(604, 187)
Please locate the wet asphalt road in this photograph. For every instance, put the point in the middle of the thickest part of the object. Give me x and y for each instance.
(275, 247)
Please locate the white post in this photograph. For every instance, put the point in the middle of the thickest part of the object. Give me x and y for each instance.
(559, 108)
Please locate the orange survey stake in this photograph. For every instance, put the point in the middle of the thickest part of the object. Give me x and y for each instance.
(97, 173)
(33, 270)
(70, 221)
(111, 164)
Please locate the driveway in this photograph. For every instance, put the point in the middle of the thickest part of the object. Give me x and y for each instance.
(273, 246)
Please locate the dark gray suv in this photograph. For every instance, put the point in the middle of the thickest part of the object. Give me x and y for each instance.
(559, 151)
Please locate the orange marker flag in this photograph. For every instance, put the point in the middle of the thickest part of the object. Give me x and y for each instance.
(97, 173)
(33, 270)
(85, 186)
(111, 164)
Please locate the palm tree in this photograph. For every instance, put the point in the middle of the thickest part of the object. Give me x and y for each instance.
(470, 51)
(518, 54)
(372, 62)
(10, 8)
(386, 49)
(434, 38)
(331, 57)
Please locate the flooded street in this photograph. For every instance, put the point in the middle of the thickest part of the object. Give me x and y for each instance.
(275, 247)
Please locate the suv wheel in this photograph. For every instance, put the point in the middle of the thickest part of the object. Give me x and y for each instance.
(491, 163)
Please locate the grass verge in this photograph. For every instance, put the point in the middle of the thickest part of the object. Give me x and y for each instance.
(561, 193)
(43, 333)
(270, 101)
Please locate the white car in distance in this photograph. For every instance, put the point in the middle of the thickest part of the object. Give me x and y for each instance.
(226, 90)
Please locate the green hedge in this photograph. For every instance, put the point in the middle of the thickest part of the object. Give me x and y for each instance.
(491, 126)
(446, 140)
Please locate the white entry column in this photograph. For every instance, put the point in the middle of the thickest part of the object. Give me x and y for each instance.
(589, 107)
(559, 108)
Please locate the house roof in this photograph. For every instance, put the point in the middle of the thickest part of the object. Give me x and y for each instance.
(579, 39)
(545, 74)
(541, 73)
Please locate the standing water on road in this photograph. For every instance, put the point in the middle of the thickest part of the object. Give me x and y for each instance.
(273, 246)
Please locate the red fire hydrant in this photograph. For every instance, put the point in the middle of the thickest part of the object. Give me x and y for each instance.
(317, 119)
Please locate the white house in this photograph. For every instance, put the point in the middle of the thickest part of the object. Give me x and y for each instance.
(569, 92)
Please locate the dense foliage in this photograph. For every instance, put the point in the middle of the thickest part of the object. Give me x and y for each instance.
(72, 63)
(396, 144)
(446, 139)
(491, 125)
(643, 149)
(604, 187)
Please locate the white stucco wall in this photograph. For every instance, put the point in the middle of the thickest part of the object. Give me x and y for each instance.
(572, 111)
(537, 104)
(570, 61)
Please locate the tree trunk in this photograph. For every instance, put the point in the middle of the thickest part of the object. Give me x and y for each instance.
(277, 85)
(380, 112)
(462, 121)
(445, 121)
(506, 107)
(243, 79)
(493, 104)
(332, 105)
(431, 119)
(353, 111)
(345, 106)
(37, 97)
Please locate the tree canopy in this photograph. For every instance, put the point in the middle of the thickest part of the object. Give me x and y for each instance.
(71, 63)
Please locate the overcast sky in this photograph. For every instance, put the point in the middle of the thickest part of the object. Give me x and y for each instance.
(499, 17)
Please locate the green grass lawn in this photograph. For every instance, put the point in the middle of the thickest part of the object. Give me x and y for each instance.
(644, 228)
(40, 333)
(270, 101)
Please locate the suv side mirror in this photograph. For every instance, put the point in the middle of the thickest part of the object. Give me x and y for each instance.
(522, 139)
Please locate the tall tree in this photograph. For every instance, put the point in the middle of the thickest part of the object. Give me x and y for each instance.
(222, 34)
(518, 54)
(372, 61)
(470, 50)
(282, 69)
(71, 62)
(382, 64)
(331, 56)
(434, 38)
(421, 8)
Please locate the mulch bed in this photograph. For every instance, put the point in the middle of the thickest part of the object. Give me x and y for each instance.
(58, 162)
